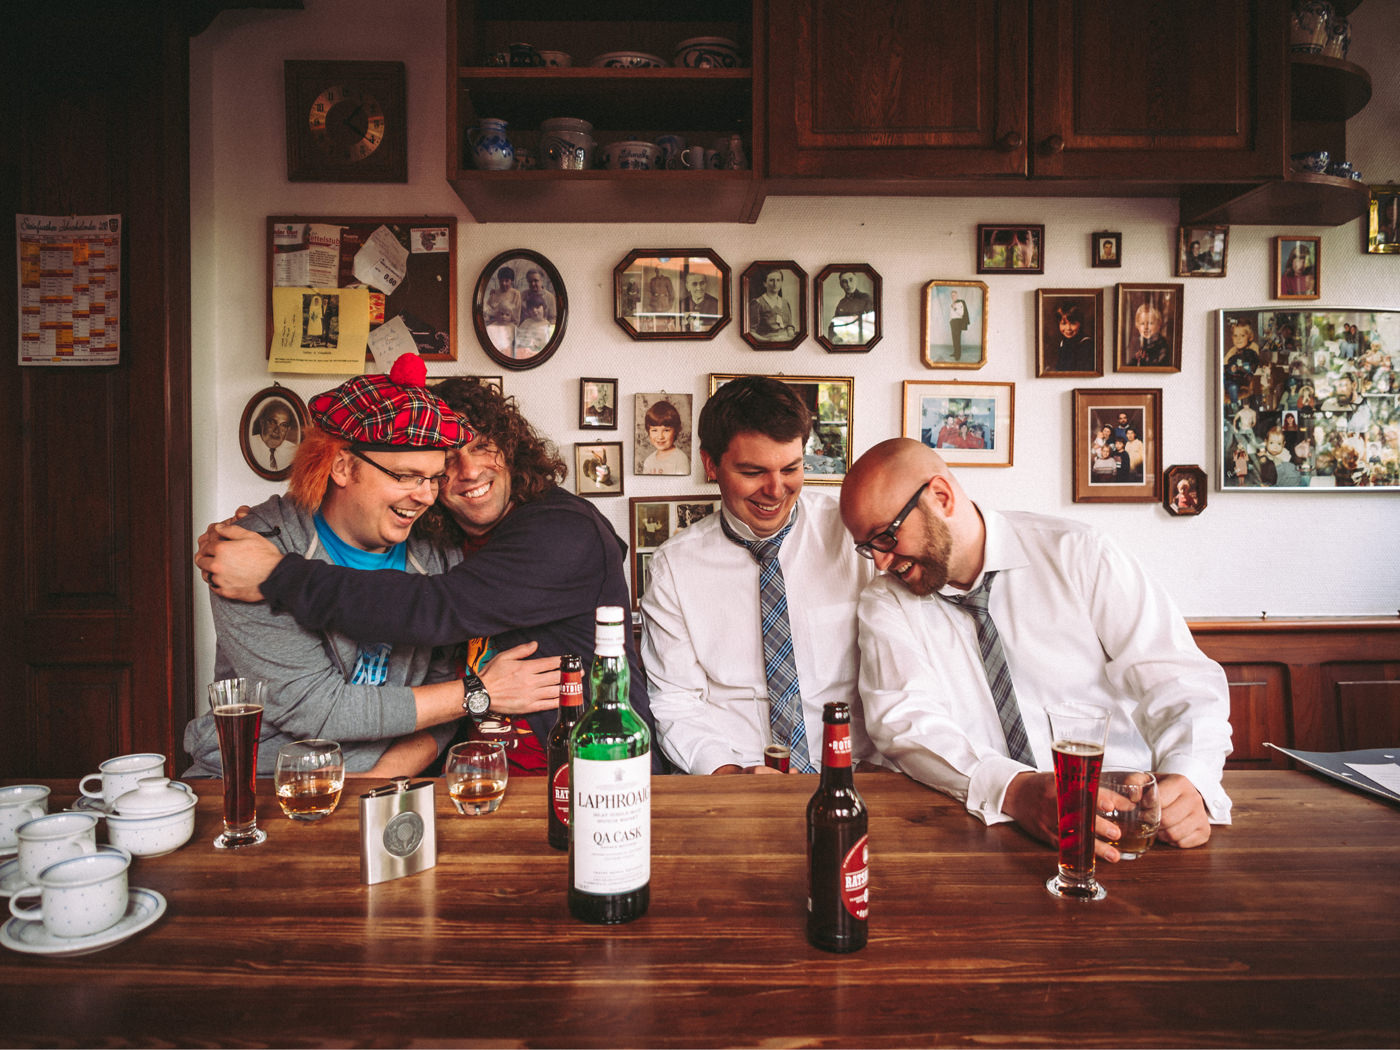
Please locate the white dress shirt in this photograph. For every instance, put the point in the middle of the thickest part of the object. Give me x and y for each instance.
(1079, 620)
(703, 648)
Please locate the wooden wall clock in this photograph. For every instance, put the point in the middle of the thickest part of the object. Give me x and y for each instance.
(346, 122)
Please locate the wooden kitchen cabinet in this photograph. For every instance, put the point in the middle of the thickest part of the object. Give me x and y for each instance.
(935, 93)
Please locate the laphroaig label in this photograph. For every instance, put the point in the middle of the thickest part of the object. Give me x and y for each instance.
(611, 832)
(855, 879)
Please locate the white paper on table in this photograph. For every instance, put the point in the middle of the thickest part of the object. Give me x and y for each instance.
(389, 342)
(1386, 774)
(316, 263)
(382, 262)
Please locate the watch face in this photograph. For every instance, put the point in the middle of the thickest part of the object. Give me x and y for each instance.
(478, 702)
(345, 123)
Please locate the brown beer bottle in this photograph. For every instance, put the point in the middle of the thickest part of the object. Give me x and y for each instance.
(570, 707)
(838, 871)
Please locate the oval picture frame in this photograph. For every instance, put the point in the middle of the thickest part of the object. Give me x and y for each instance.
(514, 335)
(265, 459)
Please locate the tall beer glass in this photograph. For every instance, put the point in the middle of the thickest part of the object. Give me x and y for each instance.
(1079, 732)
(237, 705)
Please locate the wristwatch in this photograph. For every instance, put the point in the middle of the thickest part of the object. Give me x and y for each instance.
(476, 701)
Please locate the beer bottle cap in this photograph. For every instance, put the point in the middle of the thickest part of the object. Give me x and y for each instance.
(837, 712)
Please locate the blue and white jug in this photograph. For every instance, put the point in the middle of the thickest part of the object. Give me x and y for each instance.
(491, 149)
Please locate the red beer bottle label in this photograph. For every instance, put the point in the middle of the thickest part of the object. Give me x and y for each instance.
(855, 876)
(837, 748)
(559, 793)
(571, 689)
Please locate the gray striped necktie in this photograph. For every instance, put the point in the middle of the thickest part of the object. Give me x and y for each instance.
(779, 667)
(994, 666)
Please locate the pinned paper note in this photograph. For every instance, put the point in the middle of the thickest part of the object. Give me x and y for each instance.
(382, 262)
(319, 330)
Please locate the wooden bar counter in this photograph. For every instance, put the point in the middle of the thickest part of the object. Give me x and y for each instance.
(1283, 931)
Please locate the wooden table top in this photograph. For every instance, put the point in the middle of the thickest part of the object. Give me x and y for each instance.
(1283, 931)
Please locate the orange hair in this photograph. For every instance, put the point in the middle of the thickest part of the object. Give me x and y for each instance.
(311, 469)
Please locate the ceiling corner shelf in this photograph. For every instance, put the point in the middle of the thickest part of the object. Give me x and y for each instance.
(1298, 200)
(1328, 88)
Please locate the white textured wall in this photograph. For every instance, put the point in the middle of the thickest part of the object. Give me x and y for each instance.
(1289, 554)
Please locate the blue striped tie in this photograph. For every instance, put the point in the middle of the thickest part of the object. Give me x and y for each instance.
(994, 666)
(779, 667)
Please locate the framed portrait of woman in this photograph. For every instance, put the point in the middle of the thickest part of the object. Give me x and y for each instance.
(1297, 267)
(773, 305)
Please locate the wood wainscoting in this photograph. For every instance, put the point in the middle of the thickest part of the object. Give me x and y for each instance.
(1315, 684)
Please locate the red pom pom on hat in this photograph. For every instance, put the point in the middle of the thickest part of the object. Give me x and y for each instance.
(409, 370)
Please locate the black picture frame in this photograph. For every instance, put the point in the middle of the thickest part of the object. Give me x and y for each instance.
(597, 403)
(772, 319)
(261, 454)
(1106, 249)
(524, 329)
(587, 479)
(1010, 247)
(847, 314)
(655, 293)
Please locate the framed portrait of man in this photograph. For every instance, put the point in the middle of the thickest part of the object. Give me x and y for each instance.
(671, 293)
(848, 307)
(270, 431)
(954, 315)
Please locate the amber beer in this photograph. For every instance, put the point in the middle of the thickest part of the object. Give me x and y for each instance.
(238, 726)
(777, 756)
(1077, 768)
(570, 707)
(838, 861)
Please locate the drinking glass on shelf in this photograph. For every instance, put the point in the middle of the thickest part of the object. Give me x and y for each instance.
(237, 705)
(309, 777)
(476, 773)
(1129, 799)
(1079, 732)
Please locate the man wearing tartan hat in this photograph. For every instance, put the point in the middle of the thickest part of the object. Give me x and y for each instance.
(368, 468)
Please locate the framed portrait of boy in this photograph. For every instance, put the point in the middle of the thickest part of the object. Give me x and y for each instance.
(270, 431)
(598, 468)
(1106, 249)
(1149, 328)
(773, 305)
(847, 307)
(1297, 267)
(1010, 249)
(1117, 448)
(597, 403)
(655, 519)
(1201, 250)
(661, 442)
(954, 315)
(671, 293)
(969, 424)
(1069, 332)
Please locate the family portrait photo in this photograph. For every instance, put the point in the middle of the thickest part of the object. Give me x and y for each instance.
(969, 424)
(520, 309)
(1117, 446)
(671, 294)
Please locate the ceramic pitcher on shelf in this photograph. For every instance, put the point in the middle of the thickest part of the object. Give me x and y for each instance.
(490, 148)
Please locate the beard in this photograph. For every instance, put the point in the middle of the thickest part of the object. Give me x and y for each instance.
(931, 562)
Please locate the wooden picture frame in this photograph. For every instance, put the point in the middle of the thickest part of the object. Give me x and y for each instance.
(953, 324)
(847, 308)
(1382, 230)
(1202, 251)
(1010, 248)
(272, 426)
(597, 404)
(1184, 491)
(662, 412)
(671, 293)
(1133, 419)
(409, 264)
(773, 318)
(831, 400)
(598, 468)
(654, 520)
(520, 309)
(1069, 332)
(969, 424)
(346, 121)
(1297, 265)
(1149, 328)
(1105, 249)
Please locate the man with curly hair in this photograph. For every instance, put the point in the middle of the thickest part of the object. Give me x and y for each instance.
(538, 561)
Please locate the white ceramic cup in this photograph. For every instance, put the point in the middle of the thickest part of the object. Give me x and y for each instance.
(19, 804)
(632, 156)
(692, 158)
(120, 775)
(52, 838)
(79, 896)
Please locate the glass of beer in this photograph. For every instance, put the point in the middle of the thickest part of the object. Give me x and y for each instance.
(476, 774)
(1078, 732)
(1129, 799)
(309, 778)
(237, 705)
(778, 756)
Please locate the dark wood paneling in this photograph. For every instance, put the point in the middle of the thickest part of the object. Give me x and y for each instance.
(1367, 699)
(75, 712)
(1258, 714)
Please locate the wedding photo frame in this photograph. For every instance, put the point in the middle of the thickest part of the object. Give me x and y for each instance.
(520, 309)
(1297, 267)
(773, 305)
(1201, 251)
(597, 404)
(1149, 328)
(969, 424)
(671, 293)
(1069, 332)
(848, 311)
(954, 324)
(830, 400)
(1010, 249)
(270, 431)
(655, 519)
(1106, 249)
(1117, 446)
(598, 468)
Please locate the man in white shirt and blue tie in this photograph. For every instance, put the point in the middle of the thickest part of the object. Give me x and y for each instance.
(749, 619)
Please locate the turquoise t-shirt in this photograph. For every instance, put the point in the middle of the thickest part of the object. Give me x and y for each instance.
(372, 666)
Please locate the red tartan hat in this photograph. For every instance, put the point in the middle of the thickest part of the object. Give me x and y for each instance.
(392, 413)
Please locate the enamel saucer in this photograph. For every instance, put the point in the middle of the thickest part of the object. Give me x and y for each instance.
(143, 907)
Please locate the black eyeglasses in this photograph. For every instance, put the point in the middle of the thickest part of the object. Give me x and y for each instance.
(887, 538)
(407, 482)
